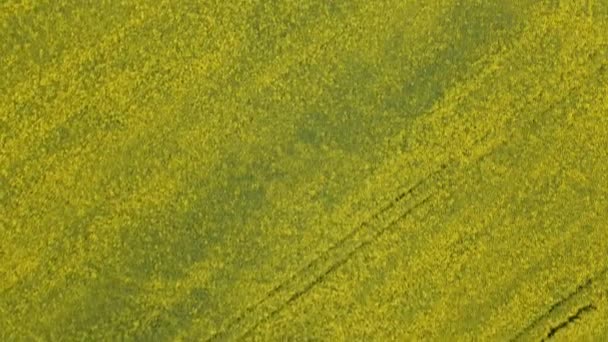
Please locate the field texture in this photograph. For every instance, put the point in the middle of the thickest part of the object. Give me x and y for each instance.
(304, 170)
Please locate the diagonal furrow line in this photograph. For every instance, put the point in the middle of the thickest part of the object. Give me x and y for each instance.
(328, 261)
(571, 319)
(580, 289)
(319, 279)
(321, 266)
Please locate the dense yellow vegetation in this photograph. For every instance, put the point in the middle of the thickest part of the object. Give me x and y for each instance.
(304, 170)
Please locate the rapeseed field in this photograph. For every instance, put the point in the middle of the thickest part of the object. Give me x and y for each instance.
(303, 170)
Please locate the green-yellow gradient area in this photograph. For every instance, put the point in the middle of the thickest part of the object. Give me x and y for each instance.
(304, 170)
